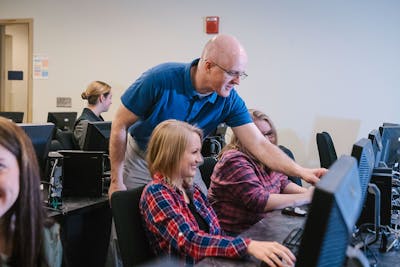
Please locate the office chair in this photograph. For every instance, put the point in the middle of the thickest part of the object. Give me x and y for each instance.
(132, 241)
(207, 168)
(67, 139)
(63, 140)
(289, 153)
(326, 149)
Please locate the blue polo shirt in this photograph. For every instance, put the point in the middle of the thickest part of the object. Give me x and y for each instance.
(166, 92)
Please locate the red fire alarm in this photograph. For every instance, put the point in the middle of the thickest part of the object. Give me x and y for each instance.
(212, 24)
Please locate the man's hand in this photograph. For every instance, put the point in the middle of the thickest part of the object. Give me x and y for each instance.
(115, 186)
(312, 176)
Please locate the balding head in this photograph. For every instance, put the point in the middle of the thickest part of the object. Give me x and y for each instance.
(221, 67)
(226, 50)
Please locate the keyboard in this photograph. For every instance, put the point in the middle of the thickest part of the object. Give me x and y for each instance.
(292, 241)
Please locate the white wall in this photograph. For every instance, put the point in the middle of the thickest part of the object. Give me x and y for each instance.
(313, 65)
(17, 92)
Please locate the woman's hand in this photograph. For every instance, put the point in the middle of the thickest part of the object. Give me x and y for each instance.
(272, 253)
(309, 194)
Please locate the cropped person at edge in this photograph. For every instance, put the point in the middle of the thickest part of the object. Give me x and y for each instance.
(27, 237)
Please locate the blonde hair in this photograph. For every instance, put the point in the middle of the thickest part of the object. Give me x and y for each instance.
(94, 91)
(258, 115)
(167, 145)
(237, 145)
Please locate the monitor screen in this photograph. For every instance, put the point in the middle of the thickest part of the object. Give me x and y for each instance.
(97, 136)
(64, 121)
(390, 145)
(364, 154)
(335, 207)
(40, 135)
(15, 116)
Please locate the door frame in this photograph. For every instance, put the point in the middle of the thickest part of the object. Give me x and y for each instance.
(29, 22)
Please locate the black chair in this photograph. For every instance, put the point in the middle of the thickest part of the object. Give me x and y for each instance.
(287, 151)
(63, 140)
(207, 168)
(132, 241)
(326, 149)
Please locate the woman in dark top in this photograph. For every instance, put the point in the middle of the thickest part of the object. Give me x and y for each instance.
(99, 97)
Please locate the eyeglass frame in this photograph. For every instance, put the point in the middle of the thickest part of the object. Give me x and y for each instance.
(269, 134)
(242, 75)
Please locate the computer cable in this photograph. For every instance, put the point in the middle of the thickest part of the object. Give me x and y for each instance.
(368, 251)
(395, 244)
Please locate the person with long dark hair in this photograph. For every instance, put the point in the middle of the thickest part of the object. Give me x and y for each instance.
(27, 238)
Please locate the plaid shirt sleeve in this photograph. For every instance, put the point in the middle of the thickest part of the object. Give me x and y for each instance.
(283, 179)
(174, 229)
(242, 182)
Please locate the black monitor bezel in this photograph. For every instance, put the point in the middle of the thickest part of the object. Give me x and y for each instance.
(42, 131)
(331, 219)
(57, 117)
(95, 140)
(363, 152)
(390, 152)
(15, 116)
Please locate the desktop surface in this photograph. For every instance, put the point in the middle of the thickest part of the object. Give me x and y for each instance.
(76, 205)
(276, 227)
(85, 229)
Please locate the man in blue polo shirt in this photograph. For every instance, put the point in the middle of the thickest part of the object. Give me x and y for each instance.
(201, 93)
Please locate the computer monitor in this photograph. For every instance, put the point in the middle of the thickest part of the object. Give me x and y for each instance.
(40, 135)
(364, 154)
(63, 120)
(97, 136)
(390, 145)
(376, 140)
(335, 207)
(15, 116)
(390, 124)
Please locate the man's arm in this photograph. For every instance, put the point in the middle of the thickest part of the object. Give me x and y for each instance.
(124, 118)
(271, 155)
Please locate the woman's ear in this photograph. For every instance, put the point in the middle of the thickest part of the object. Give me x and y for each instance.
(101, 98)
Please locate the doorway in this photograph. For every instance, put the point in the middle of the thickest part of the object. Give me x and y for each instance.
(16, 54)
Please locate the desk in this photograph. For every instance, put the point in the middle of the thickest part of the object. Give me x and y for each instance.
(85, 230)
(275, 227)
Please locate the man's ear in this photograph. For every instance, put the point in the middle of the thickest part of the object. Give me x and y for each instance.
(207, 65)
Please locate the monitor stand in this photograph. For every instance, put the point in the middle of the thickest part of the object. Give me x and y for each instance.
(355, 258)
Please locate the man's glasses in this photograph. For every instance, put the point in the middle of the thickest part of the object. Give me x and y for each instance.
(237, 74)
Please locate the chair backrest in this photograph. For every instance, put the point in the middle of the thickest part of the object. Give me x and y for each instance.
(207, 168)
(132, 241)
(326, 149)
(289, 153)
(66, 139)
